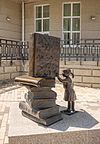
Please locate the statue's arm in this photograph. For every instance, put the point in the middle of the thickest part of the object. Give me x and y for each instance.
(60, 79)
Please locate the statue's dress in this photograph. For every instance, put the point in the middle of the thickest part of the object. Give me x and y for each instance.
(69, 94)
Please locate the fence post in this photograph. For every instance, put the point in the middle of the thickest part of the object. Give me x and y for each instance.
(0, 58)
(97, 56)
(11, 62)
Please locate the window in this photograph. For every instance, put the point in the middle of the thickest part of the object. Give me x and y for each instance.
(71, 21)
(42, 19)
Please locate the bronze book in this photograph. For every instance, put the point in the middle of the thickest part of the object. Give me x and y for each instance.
(44, 56)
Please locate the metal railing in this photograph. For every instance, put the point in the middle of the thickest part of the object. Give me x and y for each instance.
(83, 50)
(13, 50)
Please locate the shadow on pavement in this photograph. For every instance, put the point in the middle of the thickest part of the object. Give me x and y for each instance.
(79, 120)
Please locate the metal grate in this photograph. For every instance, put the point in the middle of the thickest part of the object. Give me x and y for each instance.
(83, 50)
(13, 50)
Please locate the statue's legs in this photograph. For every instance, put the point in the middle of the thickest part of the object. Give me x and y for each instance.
(70, 109)
(69, 106)
(73, 106)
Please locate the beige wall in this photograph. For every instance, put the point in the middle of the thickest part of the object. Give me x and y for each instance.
(89, 29)
(86, 74)
(8, 71)
(10, 29)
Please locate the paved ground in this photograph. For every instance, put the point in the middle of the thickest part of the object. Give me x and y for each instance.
(87, 99)
(8, 96)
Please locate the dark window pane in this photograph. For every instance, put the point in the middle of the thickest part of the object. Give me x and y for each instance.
(45, 11)
(76, 9)
(38, 25)
(75, 37)
(76, 24)
(66, 38)
(39, 12)
(46, 25)
(67, 9)
(66, 24)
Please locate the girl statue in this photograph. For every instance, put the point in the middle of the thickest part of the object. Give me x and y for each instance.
(69, 94)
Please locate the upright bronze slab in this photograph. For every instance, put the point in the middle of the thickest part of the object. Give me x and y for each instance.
(44, 56)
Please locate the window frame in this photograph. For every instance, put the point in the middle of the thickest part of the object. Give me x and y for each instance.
(42, 18)
(71, 17)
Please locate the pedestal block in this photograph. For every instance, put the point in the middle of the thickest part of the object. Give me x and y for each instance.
(46, 122)
(43, 94)
(43, 113)
(40, 105)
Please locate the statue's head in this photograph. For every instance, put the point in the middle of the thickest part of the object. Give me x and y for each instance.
(67, 72)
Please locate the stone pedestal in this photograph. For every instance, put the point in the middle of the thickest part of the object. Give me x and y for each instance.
(40, 105)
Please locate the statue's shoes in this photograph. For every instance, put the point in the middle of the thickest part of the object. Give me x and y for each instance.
(68, 112)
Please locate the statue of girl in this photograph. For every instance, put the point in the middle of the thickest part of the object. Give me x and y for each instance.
(69, 94)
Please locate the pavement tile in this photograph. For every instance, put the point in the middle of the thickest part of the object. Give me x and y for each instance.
(1, 117)
(1, 141)
(6, 140)
(2, 109)
(2, 132)
(4, 120)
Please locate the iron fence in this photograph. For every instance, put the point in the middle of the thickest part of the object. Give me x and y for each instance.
(13, 50)
(83, 50)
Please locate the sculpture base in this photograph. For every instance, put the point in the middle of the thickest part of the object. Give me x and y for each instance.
(45, 122)
(42, 114)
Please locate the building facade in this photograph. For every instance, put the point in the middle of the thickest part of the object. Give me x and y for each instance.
(10, 20)
(67, 19)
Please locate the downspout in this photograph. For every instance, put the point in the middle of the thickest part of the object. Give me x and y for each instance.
(23, 21)
(23, 29)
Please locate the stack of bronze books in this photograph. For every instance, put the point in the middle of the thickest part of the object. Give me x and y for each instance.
(40, 104)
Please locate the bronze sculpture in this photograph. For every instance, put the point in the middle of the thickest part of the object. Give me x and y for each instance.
(69, 94)
(40, 100)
